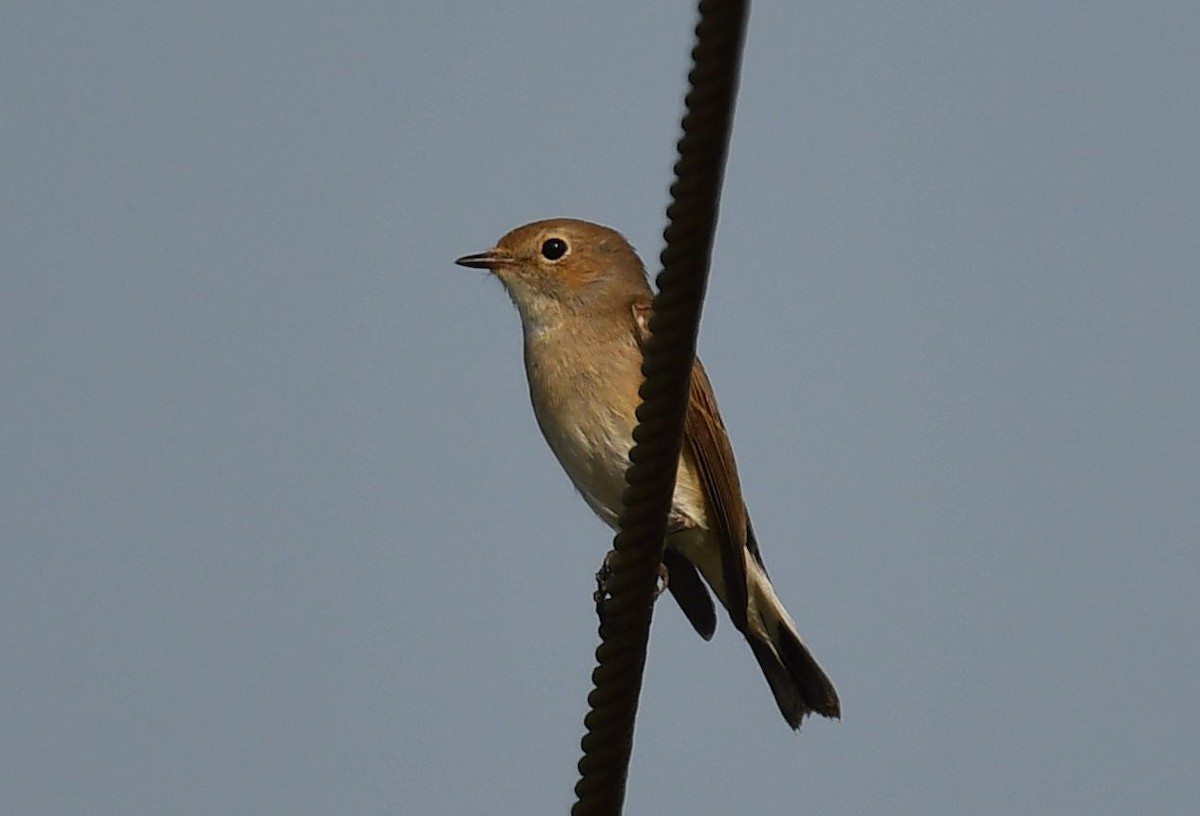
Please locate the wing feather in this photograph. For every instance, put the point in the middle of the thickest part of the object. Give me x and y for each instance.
(705, 437)
(707, 443)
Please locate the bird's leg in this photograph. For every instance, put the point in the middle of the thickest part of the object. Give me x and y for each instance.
(675, 524)
(601, 594)
(664, 581)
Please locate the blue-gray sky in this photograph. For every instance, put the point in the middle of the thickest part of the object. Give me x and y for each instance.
(278, 533)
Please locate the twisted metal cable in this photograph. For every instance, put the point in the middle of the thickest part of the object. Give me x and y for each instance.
(667, 366)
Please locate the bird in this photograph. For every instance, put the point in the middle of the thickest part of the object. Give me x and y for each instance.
(584, 302)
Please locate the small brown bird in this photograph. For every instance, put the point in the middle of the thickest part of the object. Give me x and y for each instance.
(585, 302)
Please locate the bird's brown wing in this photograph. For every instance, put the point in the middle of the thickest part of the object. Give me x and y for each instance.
(705, 439)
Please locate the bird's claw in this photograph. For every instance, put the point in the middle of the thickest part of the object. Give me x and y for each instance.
(664, 581)
(601, 595)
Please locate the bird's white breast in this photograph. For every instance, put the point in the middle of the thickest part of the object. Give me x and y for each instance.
(581, 398)
(584, 394)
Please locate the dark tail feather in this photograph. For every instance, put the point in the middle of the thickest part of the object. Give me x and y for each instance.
(798, 683)
(815, 686)
(689, 592)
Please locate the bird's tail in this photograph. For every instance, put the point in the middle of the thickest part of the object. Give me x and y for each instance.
(800, 686)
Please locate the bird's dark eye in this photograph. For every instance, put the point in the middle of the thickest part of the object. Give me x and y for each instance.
(554, 248)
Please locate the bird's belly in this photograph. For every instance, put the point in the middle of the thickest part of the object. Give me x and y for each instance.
(593, 448)
(595, 454)
(588, 421)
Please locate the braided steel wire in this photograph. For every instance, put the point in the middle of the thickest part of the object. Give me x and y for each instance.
(667, 366)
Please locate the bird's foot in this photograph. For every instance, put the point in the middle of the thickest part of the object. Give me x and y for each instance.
(664, 581)
(601, 594)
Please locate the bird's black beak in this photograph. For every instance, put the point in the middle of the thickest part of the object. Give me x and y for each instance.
(485, 260)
